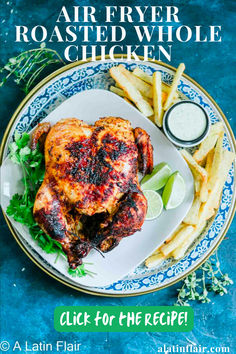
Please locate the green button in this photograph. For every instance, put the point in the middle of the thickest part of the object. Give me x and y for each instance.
(123, 319)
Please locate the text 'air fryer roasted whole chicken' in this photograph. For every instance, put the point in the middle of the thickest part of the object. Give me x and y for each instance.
(90, 196)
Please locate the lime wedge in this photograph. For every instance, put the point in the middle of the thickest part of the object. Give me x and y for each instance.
(174, 191)
(155, 204)
(158, 178)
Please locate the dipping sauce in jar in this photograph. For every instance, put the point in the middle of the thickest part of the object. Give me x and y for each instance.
(186, 123)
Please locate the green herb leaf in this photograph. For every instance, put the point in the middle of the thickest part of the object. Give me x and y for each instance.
(80, 271)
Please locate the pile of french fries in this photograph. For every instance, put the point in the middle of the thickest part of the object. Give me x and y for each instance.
(210, 165)
(148, 93)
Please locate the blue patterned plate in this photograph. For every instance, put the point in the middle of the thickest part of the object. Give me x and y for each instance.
(78, 77)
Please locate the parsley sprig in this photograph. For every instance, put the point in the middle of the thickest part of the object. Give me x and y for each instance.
(27, 66)
(80, 271)
(21, 205)
(208, 278)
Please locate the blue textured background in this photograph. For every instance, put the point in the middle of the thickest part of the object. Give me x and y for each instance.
(28, 296)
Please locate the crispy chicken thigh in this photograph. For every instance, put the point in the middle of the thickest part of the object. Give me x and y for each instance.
(90, 196)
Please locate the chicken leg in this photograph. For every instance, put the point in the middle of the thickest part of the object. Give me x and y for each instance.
(127, 219)
(55, 220)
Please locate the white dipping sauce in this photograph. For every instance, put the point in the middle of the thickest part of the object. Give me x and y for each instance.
(187, 121)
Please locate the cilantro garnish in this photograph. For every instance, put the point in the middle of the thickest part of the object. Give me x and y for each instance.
(80, 271)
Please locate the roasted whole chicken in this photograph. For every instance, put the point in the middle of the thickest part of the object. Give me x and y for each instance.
(90, 196)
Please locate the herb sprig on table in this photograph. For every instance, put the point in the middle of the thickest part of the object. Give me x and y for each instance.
(208, 278)
(27, 66)
(21, 205)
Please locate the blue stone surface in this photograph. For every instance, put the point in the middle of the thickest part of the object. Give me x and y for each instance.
(28, 296)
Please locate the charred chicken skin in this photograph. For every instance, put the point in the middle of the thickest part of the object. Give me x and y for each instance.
(90, 196)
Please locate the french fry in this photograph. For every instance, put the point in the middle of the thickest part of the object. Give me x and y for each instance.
(174, 86)
(121, 93)
(207, 208)
(127, 100)
(164, 96)
(133, 94)
(209, 160)
(149, 79)
(166, 89)
(144, 88)
(179, 238)
(157, 257)
(197, 183)
(198, 171)
(142, 75)
(154, 260)
(117, 90)
(180, 251)
(204, 186)
(211, 212)
(157, 99)
(208, 144)
(203, 192)
(227, 160)
(179, 227)
(217, 159)
(193, 215)
(151, 118)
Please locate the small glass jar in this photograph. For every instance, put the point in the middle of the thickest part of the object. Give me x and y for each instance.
(186, 124)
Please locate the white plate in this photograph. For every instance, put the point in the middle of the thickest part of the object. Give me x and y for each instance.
(80, 77)
(90, 106)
